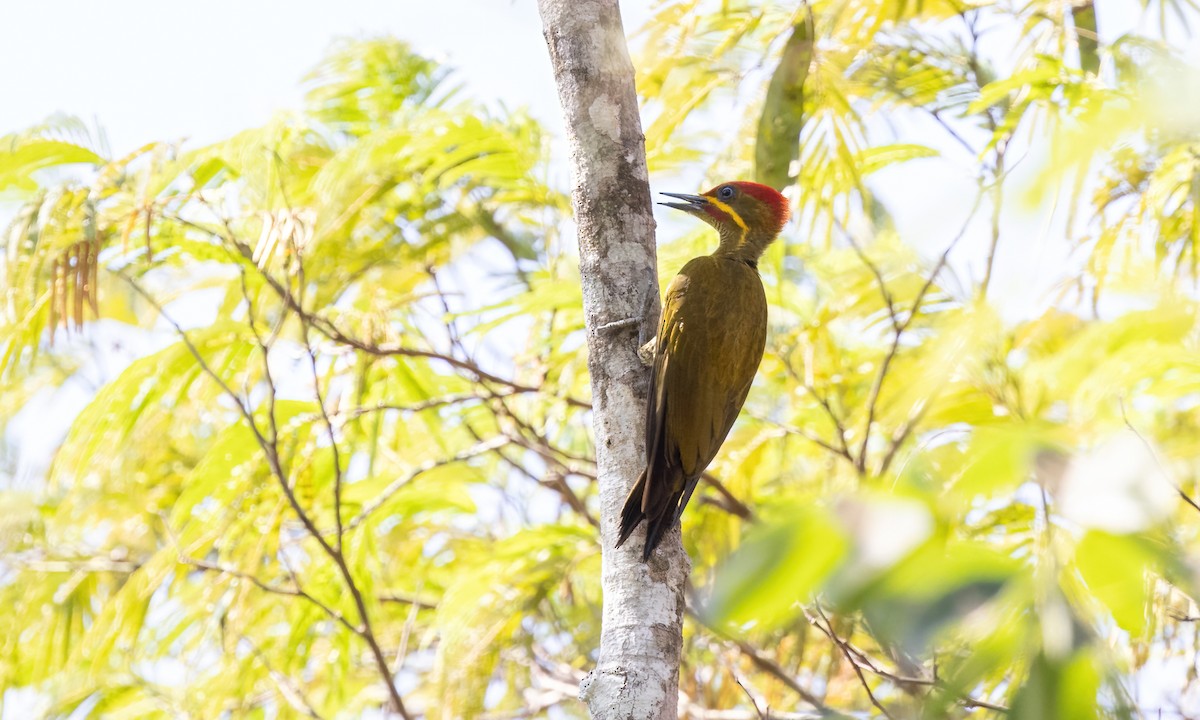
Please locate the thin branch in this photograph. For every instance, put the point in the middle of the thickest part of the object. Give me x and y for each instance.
(414, 408)
(338, 475)
(901, 435)
(801, 432)
(562, 488)
(273, 589)
(1161, 468)
(981, 76)
(862, 661)
(950, 129)
(268, 447)
(90, 565)
(407, 600)
(330, 330)
(410, 622)
(762, 662)
(368, 635)
(561, 462)
(750, 696)
(843, 449)
(843, 646)
(287, 688)
(296, 591)
(838, 425)
(397, 485)
(997, 204)
(272, 454)
(731, 505)
(899, 330)
(888, 302)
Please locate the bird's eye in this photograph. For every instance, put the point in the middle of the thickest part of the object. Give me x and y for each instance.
(726, 193)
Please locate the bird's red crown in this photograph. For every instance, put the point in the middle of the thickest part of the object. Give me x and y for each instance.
(768, 196)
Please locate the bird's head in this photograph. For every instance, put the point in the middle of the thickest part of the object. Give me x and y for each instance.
(740, 211)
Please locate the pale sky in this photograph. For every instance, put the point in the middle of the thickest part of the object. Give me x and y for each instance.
(165, 69)
(147, 70)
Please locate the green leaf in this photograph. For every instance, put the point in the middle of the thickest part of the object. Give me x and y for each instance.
(20, 159)
(1117, 570)
(998, 459)
(934, 588)
(777, 569)
(876, 158)
(1066, 689)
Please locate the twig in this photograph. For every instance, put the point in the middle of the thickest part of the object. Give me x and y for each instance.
(273, 589)
(801, 432)
(330, 330)
(562, 488)
(414, 408)
(338, 475)
(899, 329)
(762, 662)
(1150, 449)
(409, 623)
(397, 485)
(750, 697)
(997, 202)
(264, 346)
(843, 449)
(900, 436)
(888, 302)
(735, 506)
(998, 172)
(407, 600)
(271, 451)
(829, 631)
(90, 565)
(863, 662)
(950, 129)
(838, 426)
(287, 688)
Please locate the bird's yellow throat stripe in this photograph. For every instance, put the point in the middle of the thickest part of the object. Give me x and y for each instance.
(737, 219)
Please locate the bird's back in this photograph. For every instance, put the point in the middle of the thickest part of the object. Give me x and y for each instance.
(715, 327)
(710, 343)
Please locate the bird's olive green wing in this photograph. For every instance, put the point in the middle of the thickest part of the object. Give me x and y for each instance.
(710, 341)
(657, 457)
(715, 344)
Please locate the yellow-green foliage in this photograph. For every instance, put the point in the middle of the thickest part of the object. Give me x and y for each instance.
(358, 428)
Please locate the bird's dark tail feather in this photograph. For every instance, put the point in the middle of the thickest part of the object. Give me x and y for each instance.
(661, 513)
(632, 513)
(658, 526)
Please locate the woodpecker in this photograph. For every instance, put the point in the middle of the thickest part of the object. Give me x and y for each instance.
(710, 342)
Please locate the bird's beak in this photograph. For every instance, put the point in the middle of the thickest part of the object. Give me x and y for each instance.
(694, 204)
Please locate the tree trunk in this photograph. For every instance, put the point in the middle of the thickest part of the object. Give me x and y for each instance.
(1087, 35)
(637, 675)
(782, 119)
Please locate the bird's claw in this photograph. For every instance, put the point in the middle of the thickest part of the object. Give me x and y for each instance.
(646, 352)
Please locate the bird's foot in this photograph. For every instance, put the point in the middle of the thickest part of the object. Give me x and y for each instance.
(646, 352)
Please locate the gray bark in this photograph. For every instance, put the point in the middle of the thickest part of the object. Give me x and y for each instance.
(637, 675)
